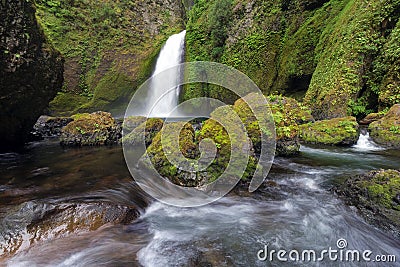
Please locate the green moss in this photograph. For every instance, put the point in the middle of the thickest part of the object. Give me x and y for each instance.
(64, 103)
(339, 131)
(383, 188)
(146, 132)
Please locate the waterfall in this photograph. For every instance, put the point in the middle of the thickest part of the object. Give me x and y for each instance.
(365, 144)
(159, 102)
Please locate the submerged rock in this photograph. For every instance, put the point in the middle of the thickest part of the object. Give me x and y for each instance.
(386, 131)
(31, 72)
(35, 222)
(338, 131)
(376, 195)
(98, 128)
(47, 126)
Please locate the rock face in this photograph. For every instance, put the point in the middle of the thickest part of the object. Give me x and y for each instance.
(339, 131)
(31, 71)
(98, 128)
(377, 196)
(386, 131)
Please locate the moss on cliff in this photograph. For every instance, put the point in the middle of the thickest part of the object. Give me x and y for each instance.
(343, 54)
(109, 46)
(386, 131)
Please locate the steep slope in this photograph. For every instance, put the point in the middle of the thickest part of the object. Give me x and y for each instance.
(30, 72)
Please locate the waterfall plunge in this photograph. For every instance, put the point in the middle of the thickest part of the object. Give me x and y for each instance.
(163, 95)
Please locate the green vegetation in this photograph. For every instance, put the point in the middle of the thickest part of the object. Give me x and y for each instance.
(109, 47)
(342, 55)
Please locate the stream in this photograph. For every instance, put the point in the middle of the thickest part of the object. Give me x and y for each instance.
(296, 210)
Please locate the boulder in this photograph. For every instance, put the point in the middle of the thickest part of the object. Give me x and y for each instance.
(338, 131)
(147, 130)
(376, 196)
(386, 131)
(370, 118)
(98, 128)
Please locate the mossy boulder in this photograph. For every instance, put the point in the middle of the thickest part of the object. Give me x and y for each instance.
(98, 128)
(146, 131)
(377, 196)
(386, 131)
(338, 131)
(173, 165)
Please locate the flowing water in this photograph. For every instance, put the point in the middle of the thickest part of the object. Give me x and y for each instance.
(161, 99)
(297, 211)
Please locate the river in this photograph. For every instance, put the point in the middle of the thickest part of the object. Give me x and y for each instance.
(294, 210)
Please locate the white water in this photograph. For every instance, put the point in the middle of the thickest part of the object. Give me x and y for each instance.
(163, 95)
(364, 143)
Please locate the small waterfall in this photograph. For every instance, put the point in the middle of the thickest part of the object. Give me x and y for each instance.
(365, 143)
(158, 101)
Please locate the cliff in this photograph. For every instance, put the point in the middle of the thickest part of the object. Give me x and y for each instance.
(340, 56)
(30, 72)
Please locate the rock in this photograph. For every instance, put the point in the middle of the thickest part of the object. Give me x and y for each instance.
(338, 131)
(130, 123)
(147, 129)
(35, 221)
(375, 194)
(188, 148)
(31, 72)
(47, 126)
(371, 118)
(97, 128)
(386, 131)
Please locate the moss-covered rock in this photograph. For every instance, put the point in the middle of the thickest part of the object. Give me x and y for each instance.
(338, 131)
(98, 128)
(386, 131)
(377, 196)
(109, 47)
(146, 131)
(31, 72)
(188, 149)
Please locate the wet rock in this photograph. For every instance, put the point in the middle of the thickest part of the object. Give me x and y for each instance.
(338, 131)
(132, 122)
(370, 118)
(376, 195)
(146, 131)
(386, 131)
(47, 126)
(31, 72)
(35, 222)
(98, 128)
